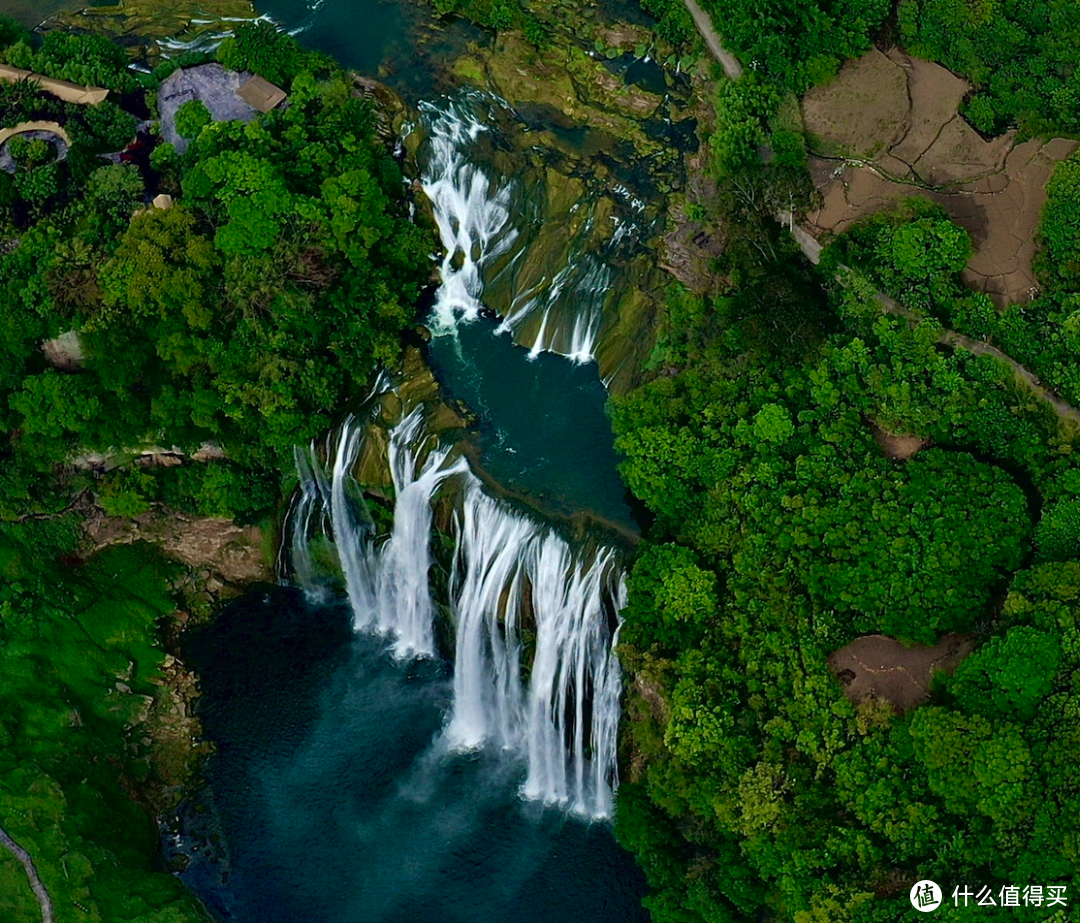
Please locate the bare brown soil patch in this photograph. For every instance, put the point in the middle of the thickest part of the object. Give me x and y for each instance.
(878, 667)
(897, 445)
(232, 553)
(862, 112)
(865, 160)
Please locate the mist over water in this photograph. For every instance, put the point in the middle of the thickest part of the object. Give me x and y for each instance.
(519, 599)
(335, 797)
(368, 770)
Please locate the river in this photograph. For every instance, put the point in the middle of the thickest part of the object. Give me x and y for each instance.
(435, 737)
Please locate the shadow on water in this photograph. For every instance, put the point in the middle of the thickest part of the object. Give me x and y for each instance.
(331, 798)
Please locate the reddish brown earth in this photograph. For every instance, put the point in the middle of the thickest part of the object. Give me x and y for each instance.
(897, 445)
(230, 553)
(882, 668)
(887, 127)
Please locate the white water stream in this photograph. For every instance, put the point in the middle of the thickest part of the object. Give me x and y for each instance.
(534, 668)
(475, 216)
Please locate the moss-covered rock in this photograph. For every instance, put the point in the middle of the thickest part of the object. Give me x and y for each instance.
(143, 25)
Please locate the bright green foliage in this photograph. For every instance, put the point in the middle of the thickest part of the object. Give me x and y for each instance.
(797, 42)
(191, 118)
(1060, 228)
(1009, 676)
(1058, 533)
(260, 48)
(756, 789)
(246, 314)
(674, 23)
(89, 60)
(1020, 56)
(77, 653)
(743, 109)
(913, 251)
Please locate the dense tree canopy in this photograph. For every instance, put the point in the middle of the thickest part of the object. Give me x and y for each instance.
(783, 531)
(1021, 57)
(244, 315)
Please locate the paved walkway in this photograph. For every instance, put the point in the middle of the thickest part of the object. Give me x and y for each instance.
(35, 881)
(727, 60)
(1063, 409)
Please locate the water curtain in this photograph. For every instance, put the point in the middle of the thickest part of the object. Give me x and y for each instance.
(534, 618)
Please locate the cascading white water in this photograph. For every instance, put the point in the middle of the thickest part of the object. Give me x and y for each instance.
(387, 583)
(303, 521)
(586, 283)
(471, 215)
(523, 601)
(508, 572)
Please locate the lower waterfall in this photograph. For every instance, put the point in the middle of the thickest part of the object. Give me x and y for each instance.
(535, 619)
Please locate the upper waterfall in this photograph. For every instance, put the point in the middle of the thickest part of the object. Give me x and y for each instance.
(534, 618)
(546, 275)
(471, 213)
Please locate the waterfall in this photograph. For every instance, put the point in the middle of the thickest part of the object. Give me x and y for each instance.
(302, 522)
(473, 214)
(564, 719)
(585, 284)
(472, 217)
(387, 583)
(534, 669)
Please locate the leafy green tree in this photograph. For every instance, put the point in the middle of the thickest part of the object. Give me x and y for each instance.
(191, 118)
(1008, 677)
(259, 47)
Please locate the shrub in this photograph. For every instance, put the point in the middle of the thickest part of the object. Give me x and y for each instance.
(191, 118)
(260, 48)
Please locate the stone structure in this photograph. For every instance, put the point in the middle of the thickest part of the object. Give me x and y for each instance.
(227, 95)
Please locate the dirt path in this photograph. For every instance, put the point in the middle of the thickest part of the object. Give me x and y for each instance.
(811, 249)
(35, 880)
(727, 60)
(1063, 409)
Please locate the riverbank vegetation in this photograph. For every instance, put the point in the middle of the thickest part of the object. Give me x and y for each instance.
(758, 788)
(236, 317)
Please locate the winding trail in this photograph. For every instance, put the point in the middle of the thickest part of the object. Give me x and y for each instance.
(1063, 409)
(36, 884)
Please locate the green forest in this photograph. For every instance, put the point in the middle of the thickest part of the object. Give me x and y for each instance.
(757, 790)
(246, 314)
(243, 316)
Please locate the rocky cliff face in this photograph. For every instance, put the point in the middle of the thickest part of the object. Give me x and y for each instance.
(601, 144)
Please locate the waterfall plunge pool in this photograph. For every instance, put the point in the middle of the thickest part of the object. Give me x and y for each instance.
(331, 799)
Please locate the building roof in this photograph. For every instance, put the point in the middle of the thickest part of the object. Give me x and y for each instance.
(211, 84)
(64, 89)
(261, 94)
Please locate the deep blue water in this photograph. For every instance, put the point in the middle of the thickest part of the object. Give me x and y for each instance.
(358, 33)
(330, 799)
(543, 426)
